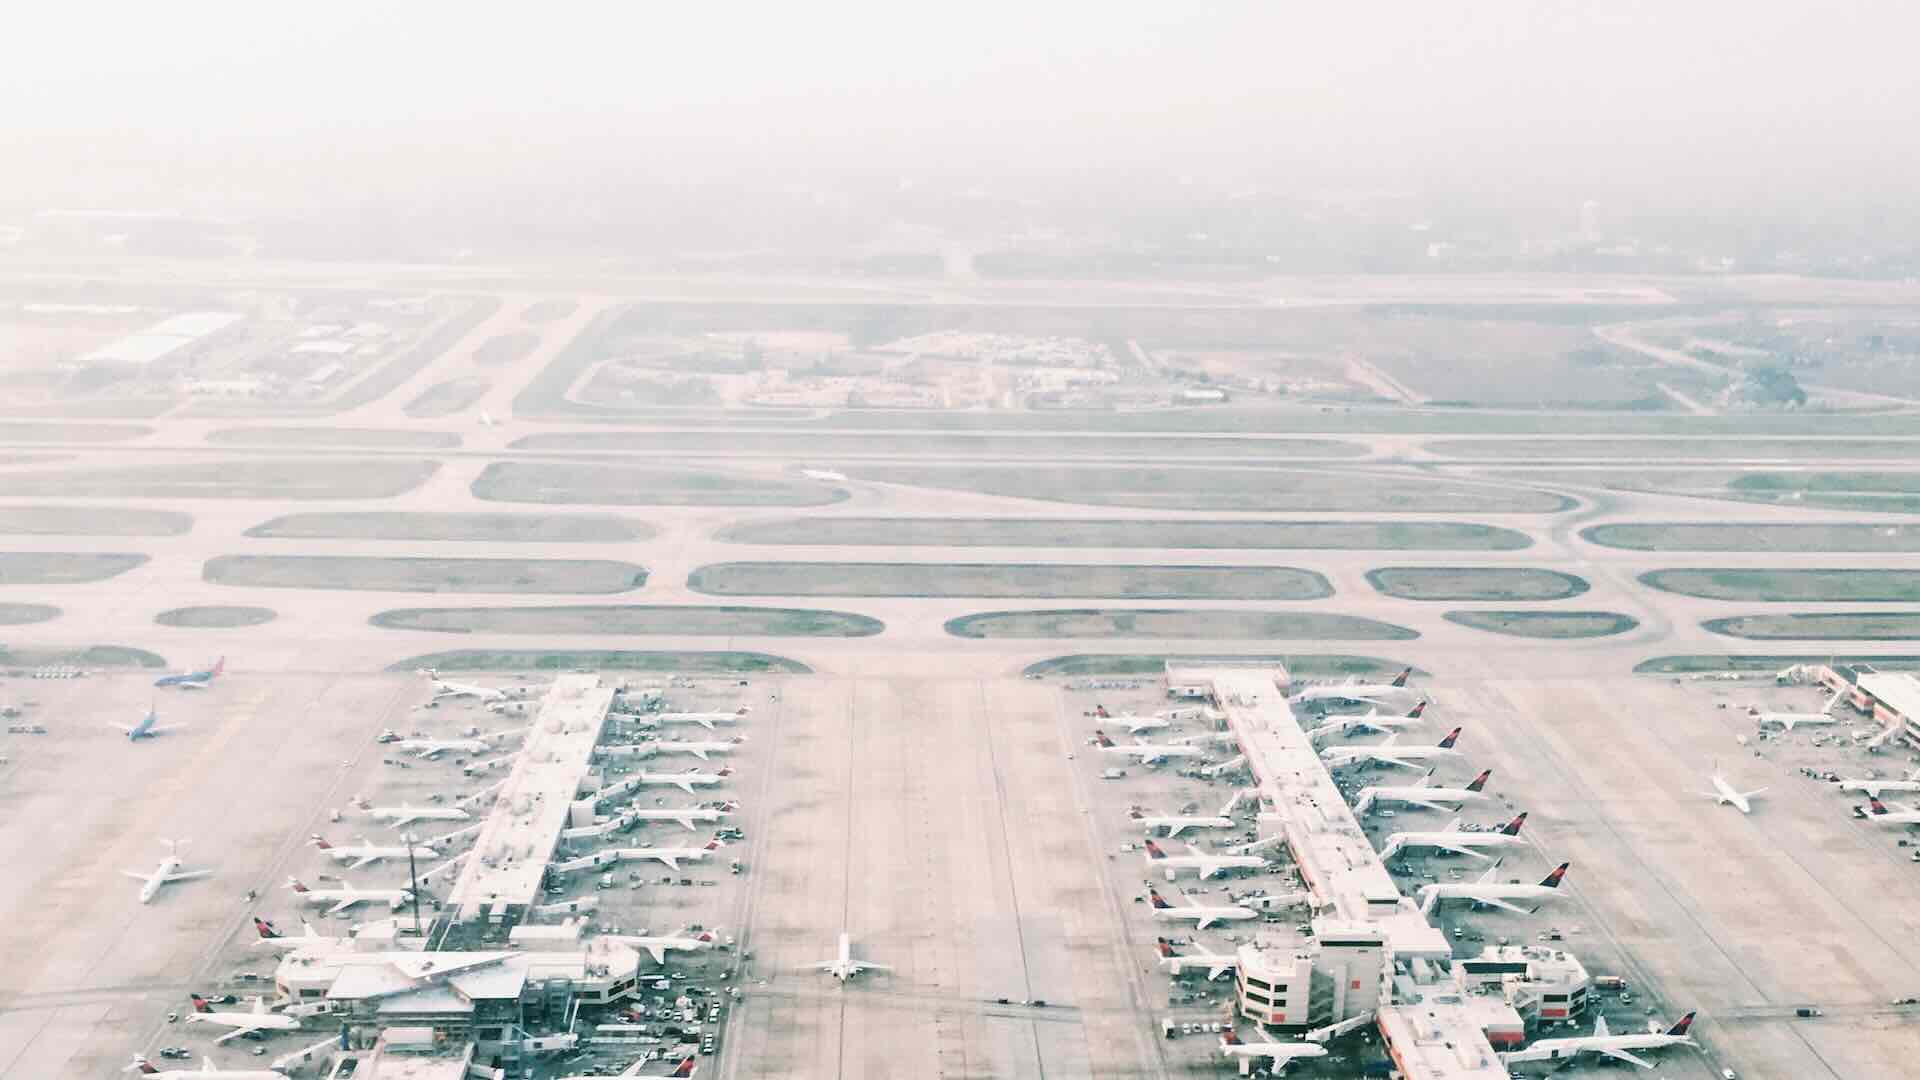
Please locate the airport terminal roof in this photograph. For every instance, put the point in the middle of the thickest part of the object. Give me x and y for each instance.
(412, 981)
(1336, 859)
(162, 338)
(1439, 1039)
(509, 858)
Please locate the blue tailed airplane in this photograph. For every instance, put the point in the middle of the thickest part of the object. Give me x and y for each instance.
(193, 680)
(147, 728)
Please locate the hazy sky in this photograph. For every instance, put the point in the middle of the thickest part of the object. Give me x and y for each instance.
(1750, 96)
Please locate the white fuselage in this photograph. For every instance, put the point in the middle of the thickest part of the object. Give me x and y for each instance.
(211, 1073)
(1726, 794)
(1873, 788)
(401, 815)
(444, 689)
(366, 854)
(1408, 756)
(1418, 796)
(1205, 866)
(1470, 843)
(1562, 1049)
(1491, 893)
(1174, 825)
(428, 748)
(1216, 964)
(685, 817)
(1150, 753)
(1204, 916)
(1791, 720)
(685, 781)
(1277, 1052)
(697, 749)
(153, 885)
(704, 719)
(658, 946)
(344, 898)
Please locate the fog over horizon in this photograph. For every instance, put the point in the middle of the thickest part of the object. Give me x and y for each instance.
(983, 119)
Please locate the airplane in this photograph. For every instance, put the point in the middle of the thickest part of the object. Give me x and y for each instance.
(1202, 863)
(685, 781)
(699, 749)
(1904, 815)
(685, 815)
(443, 688)
(659, 945)
(1604, 1041)
(1174, 823)
(1873, 788)
(345, 896)
(208, 1072)
(1144, 752)
(363, 854)
(1725, 794)
(1354, 691)
(1493, 893)
(433, 748)
(1373, 720)
(1420, 794)
(406, 814)
(680, 1071)
(1217, 964)
(1390, 753)
(1203, 915)
(1277, 1054)
(827, 475)
(241, 1022)
(1454, 839)
(672, 857)
(148, 727)
(704, 719)
(193, 680)
(166, 873)
(310, 940)
(1140, 725)
(1790, 720)
(845, 967)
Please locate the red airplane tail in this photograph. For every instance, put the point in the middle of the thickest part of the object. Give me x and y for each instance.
(264, 929)
(1513, 827)
(714, 845)
(1230, 1037)
(1101, 712)
(1452, 737)
(1552, 881)
(1159, 902)
(1401, 679)
(725, 770)
(1101, 737)
(685, 1068)
(1414, 713)
(1680, 1028)
(1165, 947)
(1480, 782)
(1154, 852)
(146, 1067)
(321, 842)
(1878, 806)
(219, 666)
(200, 1004)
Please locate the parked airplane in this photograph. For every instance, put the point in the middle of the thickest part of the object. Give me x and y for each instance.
(685, 781)
(827, 475)
(1176, 963)
(1904, 815)
(443, 688)
(659, 945)
(432, 748)
(1203, 863)
(1725, 794)
(309, 940)
(1145, 753)
(1493, 893)
(1391, 753)
(1790, 720)
(1373, 720)
(844, 966)
(699, 749)
(1604, 1042)
(260, 1019)
(406, 814)
(1353, 691)
(146, 1068)
(685, 815)
(1424, 794)
(1140, 725)
(684, 1069)
(1873, 788)
(1175, 823)
(148, 727)
(166, 873)
(674, 856)
(193, 680)
(345, 896)
(1457, 840)
(1203, 915)
(704, 719)
(1277, 1054)
(364, 854)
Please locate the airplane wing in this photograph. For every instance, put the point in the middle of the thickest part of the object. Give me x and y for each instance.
(1216, 970)
(861, 965)
(343, 905)
(697, 752)
(238, 1031)
(162, 729)
(287, 1061)
(704, 722)
(658, 952)
(672, 861)
(187, 875)
(1457, 849)
(1206, 921)
(1622, 1055)
(1174, 829)
(1393, 759)
(1490, 901)
(684, 785)
(363, 862)
(1428, 804)
(431, 752)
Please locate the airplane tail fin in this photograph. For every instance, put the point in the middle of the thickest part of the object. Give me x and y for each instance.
(200, 1004)
(1512, 828)
(295, 884)
(714, 844)
(1230, 1037)
(1452, 737)
(1680, 1029)
(144, 1066)
(1159, 902)
(1552, 881)
(264, 929)
(1100, 737)
(1415, 712)
(1154, 852)
(725, 770)
(1165, 947)
(685, 1068)
(1480, 782)
(219, 666)
(320, 842)
(1878, 806)
(1401, 679)
(1101, 712)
